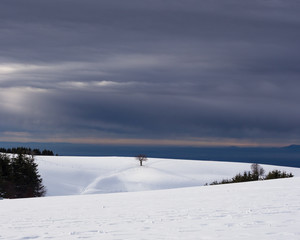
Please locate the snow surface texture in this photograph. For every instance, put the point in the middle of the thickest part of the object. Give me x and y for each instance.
(90, 175)
(254, 210)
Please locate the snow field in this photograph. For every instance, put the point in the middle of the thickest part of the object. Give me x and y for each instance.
(268, 210)
(92, 175)
(260, 210)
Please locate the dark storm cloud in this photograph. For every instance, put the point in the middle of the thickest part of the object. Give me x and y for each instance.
(154, 69)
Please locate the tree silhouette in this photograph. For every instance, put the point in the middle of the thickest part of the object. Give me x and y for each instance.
(142, 158)
(257, 171)
(19, 177)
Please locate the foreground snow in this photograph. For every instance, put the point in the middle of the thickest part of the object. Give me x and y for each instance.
(253, 210)
(89, 175)
(256, 210)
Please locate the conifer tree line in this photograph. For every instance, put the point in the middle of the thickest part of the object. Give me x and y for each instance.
(256, 173)
(19, 177)
(28, 151)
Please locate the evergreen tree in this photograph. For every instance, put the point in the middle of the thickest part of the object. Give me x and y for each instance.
(47, 152)
(278, 174)
(5, 171)
(36, 151)
(19, 177)
(28, 151)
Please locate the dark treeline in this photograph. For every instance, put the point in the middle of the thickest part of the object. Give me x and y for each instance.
(19, 177)
(256, 173)
(28, 151)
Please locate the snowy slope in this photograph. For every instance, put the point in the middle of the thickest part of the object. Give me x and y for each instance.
(86, 175)
(268, 210)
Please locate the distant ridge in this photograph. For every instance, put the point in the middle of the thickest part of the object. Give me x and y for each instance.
(294, 146)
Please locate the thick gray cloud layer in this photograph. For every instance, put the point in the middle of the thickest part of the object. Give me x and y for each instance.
(174, 70)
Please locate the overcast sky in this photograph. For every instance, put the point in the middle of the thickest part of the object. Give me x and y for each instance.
(172, 72)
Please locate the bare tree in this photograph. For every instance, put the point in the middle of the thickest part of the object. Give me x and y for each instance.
(142, 158)
(257, 171)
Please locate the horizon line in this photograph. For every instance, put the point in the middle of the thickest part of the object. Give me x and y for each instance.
(148, 142)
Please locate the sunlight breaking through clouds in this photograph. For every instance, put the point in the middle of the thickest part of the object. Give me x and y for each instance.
(163, 70)
(14, 68)
(90, 85)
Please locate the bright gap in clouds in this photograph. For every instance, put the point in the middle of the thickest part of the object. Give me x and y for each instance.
(198, 73)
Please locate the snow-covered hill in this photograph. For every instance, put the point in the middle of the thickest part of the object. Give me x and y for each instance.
(268, 210)
(86, 175)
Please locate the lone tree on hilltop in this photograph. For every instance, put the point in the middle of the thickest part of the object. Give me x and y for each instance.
(142, 158)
